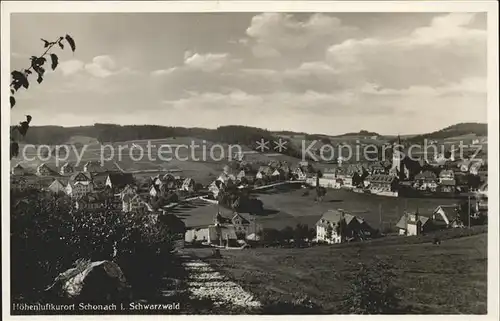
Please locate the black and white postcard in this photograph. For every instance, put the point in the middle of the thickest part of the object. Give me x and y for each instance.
(250, 158)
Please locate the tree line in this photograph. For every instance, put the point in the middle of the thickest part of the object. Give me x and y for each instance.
(111, 133)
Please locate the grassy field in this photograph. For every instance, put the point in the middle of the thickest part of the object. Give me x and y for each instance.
(449, 278)
(286, 206)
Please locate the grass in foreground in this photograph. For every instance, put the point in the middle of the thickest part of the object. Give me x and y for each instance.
(450, 278)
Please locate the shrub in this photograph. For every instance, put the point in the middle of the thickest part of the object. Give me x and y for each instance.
(47, 237)
(372, 290)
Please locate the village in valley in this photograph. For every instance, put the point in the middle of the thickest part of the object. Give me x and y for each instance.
(319, 163)
(245, 204)
(229, 211)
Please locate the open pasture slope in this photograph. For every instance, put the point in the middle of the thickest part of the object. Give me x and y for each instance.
(450, 278)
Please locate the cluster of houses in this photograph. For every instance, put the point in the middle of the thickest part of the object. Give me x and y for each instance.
(245, 174)
(383, 179)
(338, 226)
(96, 187)
(224, 229)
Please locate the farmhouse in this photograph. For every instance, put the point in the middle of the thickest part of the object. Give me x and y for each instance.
(92, 167)
(413, 224)
(57, 187)
(94, 202)
(330, 173)
(336, 226)
(18, 170)
(225, 177)
(304, 164)
(240, 223)
(446, 174)
(188, 185)
(278, 174)
(444, 215)
(154, 191)
(44, 170)
(483, 190)
(79, 188)
(135, 203)
(81, 177)
(345, 180)
(217, 235)
(214, 188)
(382, 183)
(426, 180)
(464, 165)
(100, 179)
(264, 172)
(66, 169)
(378, 168)
(299, 174)
(119, 180)
(334, 183)
(168, 181)
(447, 186)
(475, 167)
(245, 177)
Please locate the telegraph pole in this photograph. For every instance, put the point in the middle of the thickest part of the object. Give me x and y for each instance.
(380, 214)
(468, 208)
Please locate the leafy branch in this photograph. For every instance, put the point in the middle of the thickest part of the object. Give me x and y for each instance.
(20, 79)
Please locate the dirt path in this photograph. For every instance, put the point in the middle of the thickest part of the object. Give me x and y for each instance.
(205, 283)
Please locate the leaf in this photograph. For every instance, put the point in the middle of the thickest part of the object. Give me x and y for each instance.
(12, 101)
(55, 61)
(45, 43)
(23, 128)
(39, 79)
(40, 71)
(61, 45)
(20, 78)
(71, 42)
(12, 91)
(14, 149)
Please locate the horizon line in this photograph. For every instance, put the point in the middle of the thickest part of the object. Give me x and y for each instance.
(269, 130)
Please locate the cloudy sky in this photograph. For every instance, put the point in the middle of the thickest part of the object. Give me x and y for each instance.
(319, 73)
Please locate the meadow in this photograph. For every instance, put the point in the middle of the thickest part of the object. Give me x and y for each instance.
(449, 278)
(290, 207)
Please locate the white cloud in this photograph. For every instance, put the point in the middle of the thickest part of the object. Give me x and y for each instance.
(209, 62)
(466, 86)
(441, 53)
(161, 72)
(215, 100)
(448, 28)
(287, 102)
(70, 67)
(314, 68)
(103, 66)
(272, 34)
